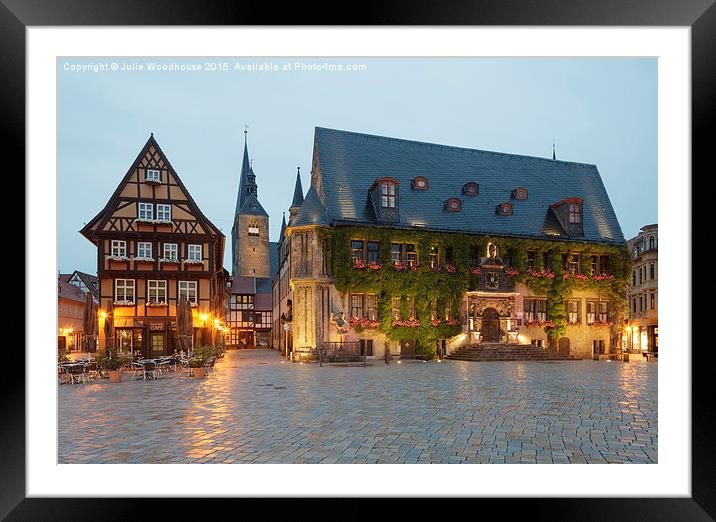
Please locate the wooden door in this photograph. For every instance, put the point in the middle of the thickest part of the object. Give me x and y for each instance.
(490, 326)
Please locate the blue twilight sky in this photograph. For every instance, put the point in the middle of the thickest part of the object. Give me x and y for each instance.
(598, 110)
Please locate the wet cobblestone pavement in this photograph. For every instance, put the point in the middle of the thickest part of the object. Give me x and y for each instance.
(255, 409)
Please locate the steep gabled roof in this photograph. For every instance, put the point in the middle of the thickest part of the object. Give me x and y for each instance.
(87, 230)
(312, 211)
(346, 164)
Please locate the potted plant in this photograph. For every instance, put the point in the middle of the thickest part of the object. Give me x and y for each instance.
(113, 363)
(199, 357)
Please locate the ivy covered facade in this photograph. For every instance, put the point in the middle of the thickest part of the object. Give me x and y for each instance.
(410, 247)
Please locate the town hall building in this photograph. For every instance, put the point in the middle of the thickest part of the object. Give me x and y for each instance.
(417, 248)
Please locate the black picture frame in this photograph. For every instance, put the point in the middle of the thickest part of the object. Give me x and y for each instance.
(700, 15)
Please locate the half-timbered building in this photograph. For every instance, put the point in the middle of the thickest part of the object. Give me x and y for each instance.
(153, 245)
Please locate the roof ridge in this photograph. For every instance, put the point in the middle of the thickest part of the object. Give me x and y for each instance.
(453, 147)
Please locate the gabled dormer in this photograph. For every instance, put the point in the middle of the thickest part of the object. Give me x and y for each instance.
(385, 196)
(570, 214)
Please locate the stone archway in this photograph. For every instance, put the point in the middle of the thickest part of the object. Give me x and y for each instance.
(490, 326)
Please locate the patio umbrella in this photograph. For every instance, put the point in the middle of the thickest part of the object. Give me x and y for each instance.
(185, 326)
(109, 325)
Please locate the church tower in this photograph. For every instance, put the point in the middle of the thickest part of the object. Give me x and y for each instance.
(250, 231)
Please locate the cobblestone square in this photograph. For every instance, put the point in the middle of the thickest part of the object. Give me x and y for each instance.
(256, 408)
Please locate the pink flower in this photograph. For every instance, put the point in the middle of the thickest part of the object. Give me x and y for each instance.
(511, 272)
(373, 265)
(450, 268)
(475, 271)
(359, 264)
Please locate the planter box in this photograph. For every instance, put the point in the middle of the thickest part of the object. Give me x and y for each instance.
(145, 227)
(118, 265)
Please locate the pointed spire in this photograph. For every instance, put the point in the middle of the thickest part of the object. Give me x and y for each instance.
(283, 227)
(554, 153)
(297, 198)
(297, 191)
(247, 181)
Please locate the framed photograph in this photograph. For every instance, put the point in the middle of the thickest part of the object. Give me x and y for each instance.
(386, 249)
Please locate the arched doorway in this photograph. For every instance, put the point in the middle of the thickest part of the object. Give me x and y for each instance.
(490, 326)
(563, 346)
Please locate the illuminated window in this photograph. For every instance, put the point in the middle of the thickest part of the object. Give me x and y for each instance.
(434, 257)
(357, 304)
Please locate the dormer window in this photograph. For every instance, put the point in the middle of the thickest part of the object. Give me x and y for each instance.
(453, 205)
(387, 194)
(471, 189)
(420, 183)
(520, 194)
(570, 213)
(504, 209)
(385, 198)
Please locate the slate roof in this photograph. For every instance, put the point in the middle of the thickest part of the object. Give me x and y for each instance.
(273, 258)
(252, 207)
(348, 163)
(312, 211)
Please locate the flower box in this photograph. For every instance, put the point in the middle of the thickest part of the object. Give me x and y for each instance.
(579, 277)
(452, 322)
(144, 260)
(475, 271)
(123, 303)
(193, 261)
(360, 264)
(118, 258)
(436, 322)
(450, 269)
(540, 273)
(603, 277)
(399, 266)
(601, 324)
(409, 323)
(169, 261)
(157, 304)
(536, 324)
(152, 181)
(363, 323)
(511, 272)
(374, 265)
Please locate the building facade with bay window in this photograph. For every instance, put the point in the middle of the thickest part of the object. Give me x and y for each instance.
(153, 246)
(642, 330)
(418, 248)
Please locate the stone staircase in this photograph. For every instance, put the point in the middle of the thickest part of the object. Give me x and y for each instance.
(507, 352)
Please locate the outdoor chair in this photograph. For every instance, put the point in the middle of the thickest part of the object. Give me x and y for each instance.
(185, 369)
(78, 373)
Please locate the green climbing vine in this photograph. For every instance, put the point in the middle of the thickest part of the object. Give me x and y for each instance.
(448, 284)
